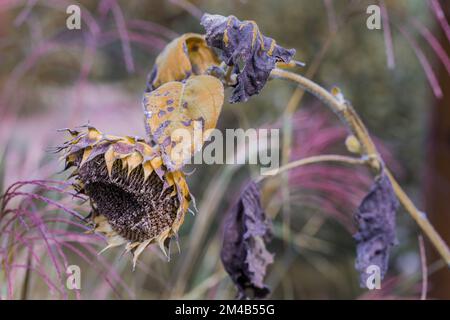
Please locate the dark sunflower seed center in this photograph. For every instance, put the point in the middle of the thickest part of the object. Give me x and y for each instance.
(135, 209)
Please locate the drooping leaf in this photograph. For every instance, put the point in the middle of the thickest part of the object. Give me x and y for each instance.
(375, 218)
(243, 46)
(244, 254)
(184, 56)
(179, 113)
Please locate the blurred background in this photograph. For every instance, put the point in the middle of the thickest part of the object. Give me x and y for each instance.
(397, 78)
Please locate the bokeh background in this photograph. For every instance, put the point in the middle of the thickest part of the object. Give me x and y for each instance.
(397, 79)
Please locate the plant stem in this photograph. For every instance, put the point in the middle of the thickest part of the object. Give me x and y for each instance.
(342, 108)
(312, 160)
(350, 118)
(421, 220)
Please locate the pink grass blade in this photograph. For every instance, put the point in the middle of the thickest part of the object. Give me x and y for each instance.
(431, 76)
(387, 36)
(433, 42)
(440, 16)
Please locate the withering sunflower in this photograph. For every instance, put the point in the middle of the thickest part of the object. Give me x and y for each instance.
(135, 200)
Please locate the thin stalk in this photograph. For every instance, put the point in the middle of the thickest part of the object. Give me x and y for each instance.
(352, 121)
(313, 160)
(287, 132)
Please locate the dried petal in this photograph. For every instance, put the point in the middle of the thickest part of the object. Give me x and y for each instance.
(243, 46)
(375, 218)
(184, 56)
(244, 254)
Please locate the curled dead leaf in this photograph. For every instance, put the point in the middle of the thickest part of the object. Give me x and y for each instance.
(244, 254)
(247, 50)
(184, 56)
(375, 218)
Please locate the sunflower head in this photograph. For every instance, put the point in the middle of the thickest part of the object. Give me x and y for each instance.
(135, 200)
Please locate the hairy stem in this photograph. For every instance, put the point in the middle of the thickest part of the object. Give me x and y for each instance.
(350, 118)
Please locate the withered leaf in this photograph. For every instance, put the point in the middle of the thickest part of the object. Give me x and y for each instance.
(181, 114)
(244, 254)
(243, 46)
(184, 56)
(375, 218)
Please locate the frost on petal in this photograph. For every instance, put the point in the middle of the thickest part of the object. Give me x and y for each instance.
(242, 45)
(375, 218)
(244, 254)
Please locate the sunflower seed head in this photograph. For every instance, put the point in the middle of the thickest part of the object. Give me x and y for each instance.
(137, 210)
(135, 200)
